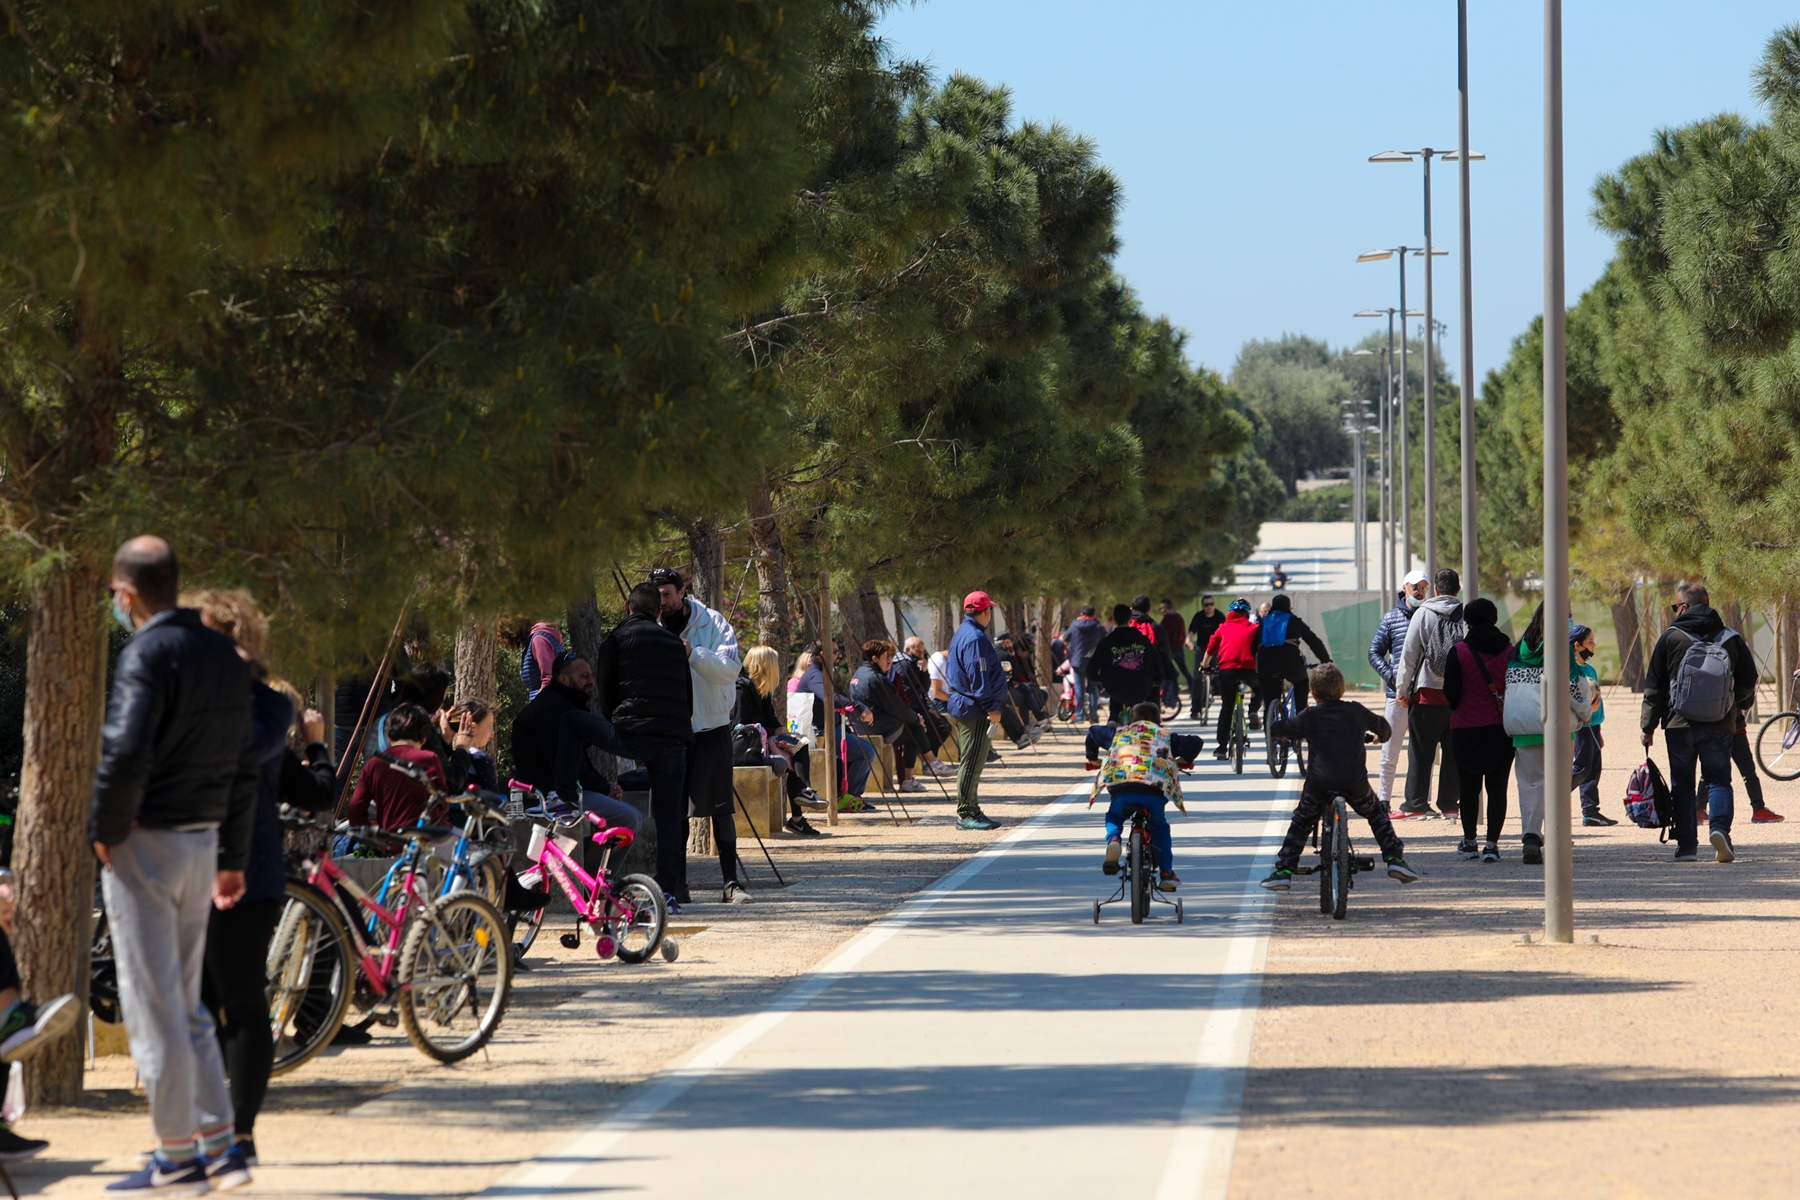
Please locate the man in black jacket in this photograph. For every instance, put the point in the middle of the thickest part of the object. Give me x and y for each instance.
(174, 806)
(1127, 664)
(647, 694)
(550, 741)
(1691, 738)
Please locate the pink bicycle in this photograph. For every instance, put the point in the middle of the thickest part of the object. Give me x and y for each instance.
(628, 915)
(438, 966)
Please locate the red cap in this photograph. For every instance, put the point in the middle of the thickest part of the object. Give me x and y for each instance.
(977, 602)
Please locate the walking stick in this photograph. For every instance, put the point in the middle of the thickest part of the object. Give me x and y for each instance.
(759, 839)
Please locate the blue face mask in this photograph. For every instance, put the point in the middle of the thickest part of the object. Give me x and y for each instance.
(1412, 601)
(122, 616)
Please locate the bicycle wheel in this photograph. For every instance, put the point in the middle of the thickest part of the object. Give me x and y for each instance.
(1277, 748)
(1778, 746)
(646, 918)
(1327, 825)
(310, 970)
(1340, 863)
(522, 928)
(1202, 697)
(103, 972)
(455, 977)
(1240, 740)
(1140, 877)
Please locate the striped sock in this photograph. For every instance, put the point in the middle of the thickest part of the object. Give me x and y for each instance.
(176, 1154)
(216, 1142)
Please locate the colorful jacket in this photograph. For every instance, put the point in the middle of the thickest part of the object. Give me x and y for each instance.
(1140, 754)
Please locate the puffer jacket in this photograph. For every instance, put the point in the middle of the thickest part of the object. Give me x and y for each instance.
(714, 661)
(179, 749)
(1389, 639)
(642, 680)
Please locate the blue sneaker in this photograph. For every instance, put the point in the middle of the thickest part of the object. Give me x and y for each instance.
(231, 1169)
(673, 905)
(161, 1178)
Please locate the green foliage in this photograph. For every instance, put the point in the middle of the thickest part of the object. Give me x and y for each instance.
(1298, 390)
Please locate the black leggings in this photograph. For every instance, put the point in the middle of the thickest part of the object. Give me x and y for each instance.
(1485, 746)
(235, 989)
(9, 968)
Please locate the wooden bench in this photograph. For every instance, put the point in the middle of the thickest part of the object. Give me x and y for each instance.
(764, 799)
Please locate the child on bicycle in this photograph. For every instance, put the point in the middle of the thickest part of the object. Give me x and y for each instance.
(1335, 730)
(1140, 768)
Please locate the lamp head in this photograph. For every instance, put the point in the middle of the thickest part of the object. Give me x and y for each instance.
(1374, 256)
(1391, 156)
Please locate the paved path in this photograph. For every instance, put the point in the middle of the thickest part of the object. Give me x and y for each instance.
(987, 1026)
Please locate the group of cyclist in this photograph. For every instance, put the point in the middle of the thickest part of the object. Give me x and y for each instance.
(1260, 655)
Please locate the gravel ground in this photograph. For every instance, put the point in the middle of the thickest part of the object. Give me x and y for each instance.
(384, 1121)
(1417, 1047)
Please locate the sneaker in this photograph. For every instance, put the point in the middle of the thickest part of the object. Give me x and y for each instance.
(1721, 843)
(1110, 864)
(1532, 852)
(1763, 816)
(1466, 851)
(163, 1179)
(27, 1028)
(1450, 814)
(673, 905)
(1221, 754)
(1090, 765)
(938, 766)
(993, 755)
(1279, 880)
(1169, 881)
(737, 893)
(1490, 853)
(810, 800)
(1596, 818)
(974, 823)
(229, 1170)
(248, 1146)
(910, 786)
(14, 1148)
(801, 826)
(682, 897)
(1255, 722)
(1408, 812)
(1397, 869)
(1686, 854)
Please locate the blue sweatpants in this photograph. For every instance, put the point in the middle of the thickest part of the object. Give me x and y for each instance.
(1162, 839)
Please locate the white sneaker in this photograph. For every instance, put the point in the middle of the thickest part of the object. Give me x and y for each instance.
(911, 785)
(940, 767)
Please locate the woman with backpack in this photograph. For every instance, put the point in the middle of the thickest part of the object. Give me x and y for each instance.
(1475, 686)
(1525, 674)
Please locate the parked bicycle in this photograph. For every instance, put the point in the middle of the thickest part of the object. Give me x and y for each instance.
(438, 967)
(628, 916)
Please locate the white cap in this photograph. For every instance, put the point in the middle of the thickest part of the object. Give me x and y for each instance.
(1414, 577)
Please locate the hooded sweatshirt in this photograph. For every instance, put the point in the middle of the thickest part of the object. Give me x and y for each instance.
(1437, 627)
(713, 663)
(1233, 644)
(1698, 622)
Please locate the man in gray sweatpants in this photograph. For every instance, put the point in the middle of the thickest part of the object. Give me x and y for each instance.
(173, 810)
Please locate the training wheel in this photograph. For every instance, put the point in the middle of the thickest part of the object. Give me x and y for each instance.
(1178, 912)
(1096, 912)
(671, 950)
(605, 947)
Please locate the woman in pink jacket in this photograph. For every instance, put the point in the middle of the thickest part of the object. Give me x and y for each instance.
(1475, 685)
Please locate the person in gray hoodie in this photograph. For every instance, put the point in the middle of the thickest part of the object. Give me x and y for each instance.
(712, 649)
(1420, 689)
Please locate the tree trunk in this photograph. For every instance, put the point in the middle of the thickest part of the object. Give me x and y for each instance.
(708, 565)
(854, 626)
(943, 623)
(1789, 623)
(586, 631)
(1016, 621)
(874, 619)
(1041, 646)
(1631, 645)
(477, 647)
(809, 619)
(774, 625)
(65, 664)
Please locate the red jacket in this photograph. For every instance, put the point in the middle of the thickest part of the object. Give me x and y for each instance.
(1232, 643)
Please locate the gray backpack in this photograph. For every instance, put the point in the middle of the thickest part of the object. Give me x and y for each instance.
(1702, 692)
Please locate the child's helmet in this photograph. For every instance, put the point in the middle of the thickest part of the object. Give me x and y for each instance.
(1240, 605)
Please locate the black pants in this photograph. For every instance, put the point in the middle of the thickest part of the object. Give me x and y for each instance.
(1228, 684)
(1482, 754)
(1118, 708)
(709, 787)
(1428, 729)
(799, 779)
(1745, 762)
(235, 989)
(1313, 800)
(1273, 678)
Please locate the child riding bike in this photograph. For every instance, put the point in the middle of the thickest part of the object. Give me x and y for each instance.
(1334, 730)
(1140, 769)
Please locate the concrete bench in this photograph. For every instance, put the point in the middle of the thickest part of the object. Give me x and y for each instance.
(764, 800)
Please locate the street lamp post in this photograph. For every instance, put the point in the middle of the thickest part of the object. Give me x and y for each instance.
(1430, 431)
(1397, 436)
(1471, 586)
(1559, 875)
(1381, 450)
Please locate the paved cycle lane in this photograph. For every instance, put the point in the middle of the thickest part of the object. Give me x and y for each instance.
(986, 1038)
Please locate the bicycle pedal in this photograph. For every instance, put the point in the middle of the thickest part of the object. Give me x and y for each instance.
(390, 1018)
(1364, 864)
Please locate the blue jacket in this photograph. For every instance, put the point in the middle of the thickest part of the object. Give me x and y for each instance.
(1084, 635)
(1390, 637)
(972, 673)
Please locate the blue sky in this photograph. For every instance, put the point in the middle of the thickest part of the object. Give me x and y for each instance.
(1241, 132)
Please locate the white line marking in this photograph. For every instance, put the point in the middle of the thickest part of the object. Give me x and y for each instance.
(1199, 1166)
(544, 1176)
